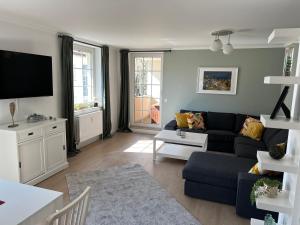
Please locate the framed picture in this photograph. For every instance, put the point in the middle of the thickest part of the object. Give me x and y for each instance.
(219, 80)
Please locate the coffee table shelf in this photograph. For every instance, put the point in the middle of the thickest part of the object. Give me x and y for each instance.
(176, 151)
(177, 147)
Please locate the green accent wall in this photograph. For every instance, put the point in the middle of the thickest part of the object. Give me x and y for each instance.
(253, 96)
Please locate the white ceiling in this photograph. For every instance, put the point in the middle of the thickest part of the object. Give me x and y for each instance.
(179, 24)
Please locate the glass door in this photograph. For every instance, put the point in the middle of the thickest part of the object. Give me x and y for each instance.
(146, 77)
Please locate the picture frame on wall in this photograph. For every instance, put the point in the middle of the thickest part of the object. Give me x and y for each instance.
(217, 80)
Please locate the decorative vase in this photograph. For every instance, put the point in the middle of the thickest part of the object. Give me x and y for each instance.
(12, 110)
(288, 61)
(269, 220)
(277, 151)
(271, 192)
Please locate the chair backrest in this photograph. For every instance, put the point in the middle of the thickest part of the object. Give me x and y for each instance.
(73, 213)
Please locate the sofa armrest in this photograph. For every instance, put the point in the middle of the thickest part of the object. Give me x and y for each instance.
(172, 125)
(243, 204)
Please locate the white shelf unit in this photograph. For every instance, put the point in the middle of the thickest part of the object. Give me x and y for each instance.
(280, 204)
(288, 201)
(286, 164)
(291, 80)
(284, 36)
(258, 222)
(280, 122)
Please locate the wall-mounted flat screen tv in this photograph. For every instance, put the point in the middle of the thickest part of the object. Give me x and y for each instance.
(25, 75)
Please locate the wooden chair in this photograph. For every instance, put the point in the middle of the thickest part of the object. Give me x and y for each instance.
(72, 214)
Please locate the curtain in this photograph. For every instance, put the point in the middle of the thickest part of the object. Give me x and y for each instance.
(124, 97)
(68, 92)
(106, 93)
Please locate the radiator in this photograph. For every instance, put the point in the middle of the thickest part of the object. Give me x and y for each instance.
(88, 125)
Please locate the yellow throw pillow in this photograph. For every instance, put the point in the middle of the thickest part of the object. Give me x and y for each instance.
(257, 170)
(181, 119)
(252, 128)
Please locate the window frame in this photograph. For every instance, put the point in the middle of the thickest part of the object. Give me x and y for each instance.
(84, 48)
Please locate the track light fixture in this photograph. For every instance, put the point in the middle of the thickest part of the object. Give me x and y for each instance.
(217, 43)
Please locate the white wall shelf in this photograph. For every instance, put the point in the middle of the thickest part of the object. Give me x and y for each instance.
(279, 204)
(291, 80)
(286, 164)
(280, 122)
(257, 222)
(284, 36)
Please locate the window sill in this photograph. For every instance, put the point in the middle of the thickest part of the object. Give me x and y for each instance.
(86, 111)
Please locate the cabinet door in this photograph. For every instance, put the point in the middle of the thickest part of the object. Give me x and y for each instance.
(31, 160)
(55, 149)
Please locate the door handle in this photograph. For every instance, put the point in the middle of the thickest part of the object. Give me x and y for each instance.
(64, 147)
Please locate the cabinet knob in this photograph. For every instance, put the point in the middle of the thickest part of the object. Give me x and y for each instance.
(64, 147)
(31, 133)
(54, 127)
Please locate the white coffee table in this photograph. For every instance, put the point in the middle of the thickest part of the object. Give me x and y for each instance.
(177, 147)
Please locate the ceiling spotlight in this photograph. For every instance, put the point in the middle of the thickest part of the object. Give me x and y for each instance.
(228, 48)
(217, 43)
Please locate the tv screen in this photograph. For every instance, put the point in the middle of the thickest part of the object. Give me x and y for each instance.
(25, 75)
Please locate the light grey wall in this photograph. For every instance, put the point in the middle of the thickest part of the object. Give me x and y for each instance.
(253, 96)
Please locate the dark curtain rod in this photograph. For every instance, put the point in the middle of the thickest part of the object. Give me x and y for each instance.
(83, 42)
(150, 50)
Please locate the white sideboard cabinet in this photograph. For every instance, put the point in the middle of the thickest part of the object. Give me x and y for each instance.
(33, 152)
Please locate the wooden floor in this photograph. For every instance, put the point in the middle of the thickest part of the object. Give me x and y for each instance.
(125, 148)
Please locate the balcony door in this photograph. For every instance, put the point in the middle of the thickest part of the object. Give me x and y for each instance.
(145, 89)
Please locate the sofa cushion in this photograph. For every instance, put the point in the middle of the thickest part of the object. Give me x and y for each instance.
(273, 136)
(239, 122)
(220, 135)
(268, 134)
(280, 137)
(247, 147)
(172, 125)
(216, 169)
(220, 121)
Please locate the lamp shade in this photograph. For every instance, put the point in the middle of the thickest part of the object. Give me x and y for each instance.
(216, 45)
(227, 49)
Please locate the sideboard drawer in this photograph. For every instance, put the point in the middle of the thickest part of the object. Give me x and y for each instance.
(54, 128)
(29, 134)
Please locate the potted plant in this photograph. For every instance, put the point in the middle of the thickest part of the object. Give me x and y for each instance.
(265, 187)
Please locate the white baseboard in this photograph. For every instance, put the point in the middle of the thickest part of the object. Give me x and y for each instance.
(48, 174)
(144, 131)
(87, 142)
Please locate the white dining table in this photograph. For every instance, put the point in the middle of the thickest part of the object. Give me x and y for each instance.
(27, 205)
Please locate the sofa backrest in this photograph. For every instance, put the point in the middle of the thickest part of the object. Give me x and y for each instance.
(220, 121)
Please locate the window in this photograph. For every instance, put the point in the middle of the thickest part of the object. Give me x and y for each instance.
(86, 76)
(146, 80)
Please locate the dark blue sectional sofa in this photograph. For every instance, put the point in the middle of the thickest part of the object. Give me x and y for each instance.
(221, 173)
